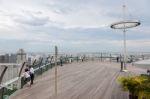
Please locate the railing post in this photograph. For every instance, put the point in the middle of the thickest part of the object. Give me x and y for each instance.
(2, 74)
(22, 82)
(121, 66)
(143, 57)
(101, 57)
(51, 61)
(40, 69)
(110, 57)
(46, 62)
(19, 84)
(41, 64)
(2, 93)
(21, 68)
(61, 61)
(34, 62)
(56, 53)
(77, 58)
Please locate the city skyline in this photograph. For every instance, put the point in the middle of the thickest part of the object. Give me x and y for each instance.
(73, 26)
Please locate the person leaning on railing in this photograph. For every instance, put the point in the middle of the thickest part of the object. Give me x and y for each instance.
(31, 70)
(26, 76)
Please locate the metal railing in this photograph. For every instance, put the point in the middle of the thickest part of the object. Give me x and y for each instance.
(10, 86)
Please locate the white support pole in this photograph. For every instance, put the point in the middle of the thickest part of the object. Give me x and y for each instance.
(124, 38)
(125, 52)
(56, 53)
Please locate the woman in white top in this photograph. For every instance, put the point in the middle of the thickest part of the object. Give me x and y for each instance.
(26, 76)
(31, 74)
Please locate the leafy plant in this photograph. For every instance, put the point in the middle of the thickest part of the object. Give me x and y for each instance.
(137, 86)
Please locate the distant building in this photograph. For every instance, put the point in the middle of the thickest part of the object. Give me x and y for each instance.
(2, 59)
(12, 58)
(6, 58)
(29, 60)
(21, 56)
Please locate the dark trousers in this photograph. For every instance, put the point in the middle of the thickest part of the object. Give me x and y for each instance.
(32, 78)
(27, 80)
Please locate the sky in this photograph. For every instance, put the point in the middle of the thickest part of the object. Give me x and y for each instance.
(72, 25)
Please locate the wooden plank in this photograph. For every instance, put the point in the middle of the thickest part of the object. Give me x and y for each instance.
(87, 80)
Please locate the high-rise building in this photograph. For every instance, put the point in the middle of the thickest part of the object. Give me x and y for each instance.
(29, 60)
(12, 58)
(2, 59)
(21, 56)
(6, 58)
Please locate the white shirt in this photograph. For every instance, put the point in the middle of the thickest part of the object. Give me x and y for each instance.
(26, 75)
(31, 70)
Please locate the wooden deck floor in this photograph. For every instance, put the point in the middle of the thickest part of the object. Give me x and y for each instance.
(87, 80)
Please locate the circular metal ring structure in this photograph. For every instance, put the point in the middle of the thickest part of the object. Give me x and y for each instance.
(125, 24)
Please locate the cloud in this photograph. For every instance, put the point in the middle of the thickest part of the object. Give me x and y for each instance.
(31, 18)
(71, 24)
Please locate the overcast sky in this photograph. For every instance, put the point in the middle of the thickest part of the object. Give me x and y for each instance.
(72, 25)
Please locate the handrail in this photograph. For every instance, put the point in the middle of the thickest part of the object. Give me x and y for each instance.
(16, 78)
(37, 68)
(22, 68)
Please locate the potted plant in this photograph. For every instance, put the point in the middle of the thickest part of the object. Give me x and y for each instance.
(138, 86)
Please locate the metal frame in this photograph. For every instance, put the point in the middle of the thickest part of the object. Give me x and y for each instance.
(21, 68)
(2, 74)
(123, 25)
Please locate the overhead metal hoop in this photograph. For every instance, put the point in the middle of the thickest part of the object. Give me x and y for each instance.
(125, 24)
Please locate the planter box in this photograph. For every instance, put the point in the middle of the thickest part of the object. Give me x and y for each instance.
(133, 97)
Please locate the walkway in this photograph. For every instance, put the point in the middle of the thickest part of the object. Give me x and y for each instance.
(87, 80)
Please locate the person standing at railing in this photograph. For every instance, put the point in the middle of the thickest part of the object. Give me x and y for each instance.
(26, 76)
(117, 58)
(31, 70)
(61, 61)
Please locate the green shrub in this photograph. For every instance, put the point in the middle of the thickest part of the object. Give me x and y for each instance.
(138, 85)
